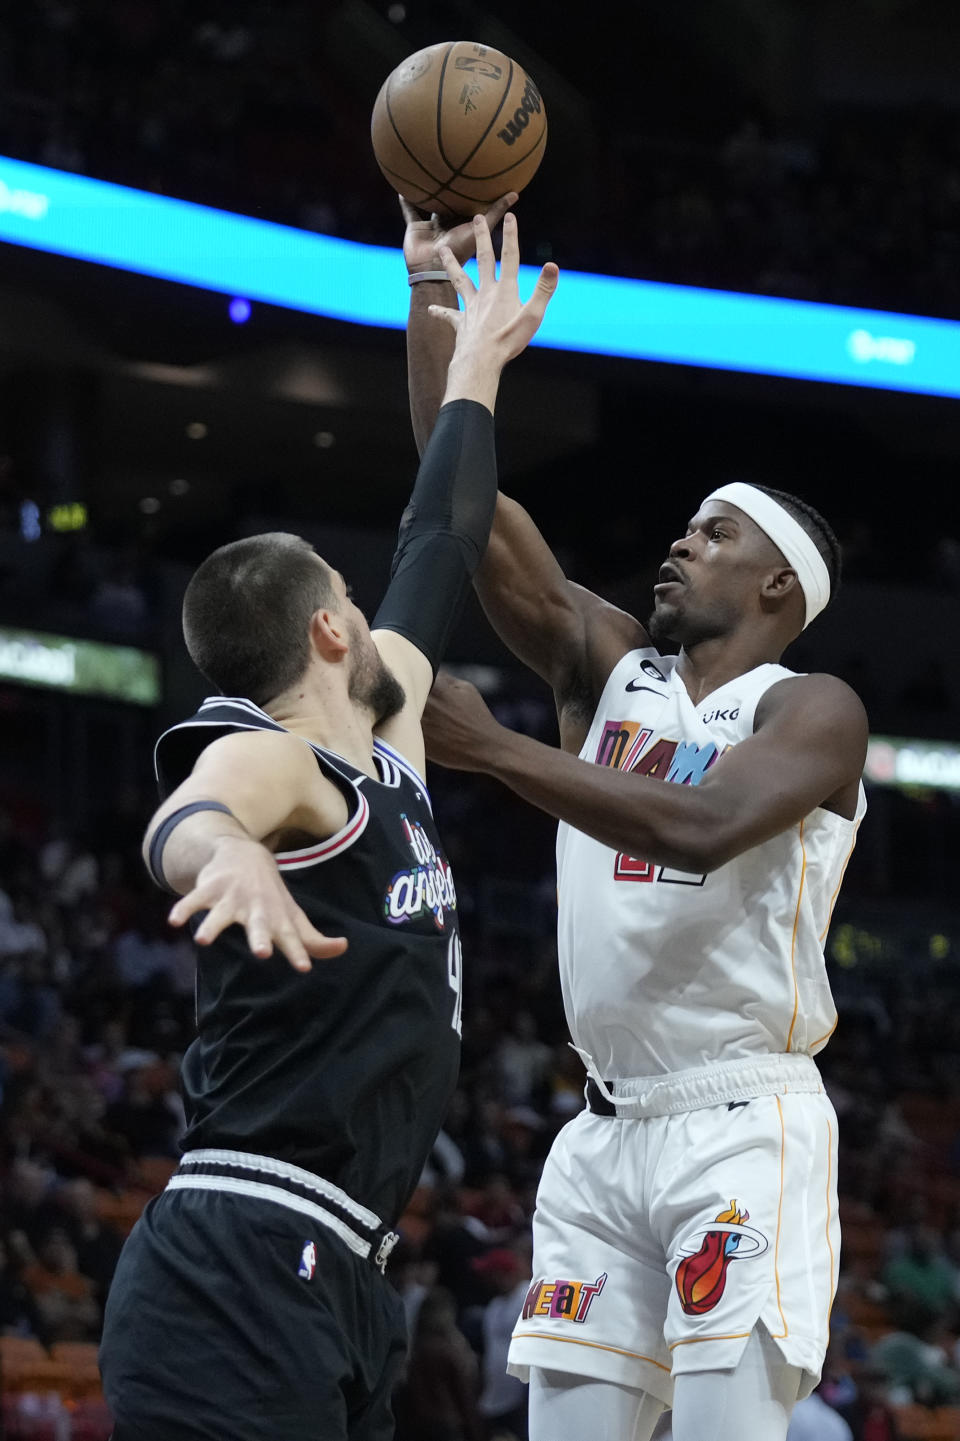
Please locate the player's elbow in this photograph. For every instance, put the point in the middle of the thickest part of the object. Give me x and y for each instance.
(700, 844)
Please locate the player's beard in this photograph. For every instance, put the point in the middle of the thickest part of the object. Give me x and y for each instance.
(671, 625)
(372, 684)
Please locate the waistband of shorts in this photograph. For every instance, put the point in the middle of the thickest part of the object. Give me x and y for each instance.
(713, 1085)
(264, 1178)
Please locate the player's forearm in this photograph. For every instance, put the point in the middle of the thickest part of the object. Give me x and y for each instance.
(444, 530)
(527, 598)
(193, 844)
(670, 825)
(429, 349)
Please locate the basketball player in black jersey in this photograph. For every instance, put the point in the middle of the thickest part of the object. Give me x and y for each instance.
(250, 1300)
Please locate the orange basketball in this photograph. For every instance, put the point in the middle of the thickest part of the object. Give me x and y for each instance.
(456, 125)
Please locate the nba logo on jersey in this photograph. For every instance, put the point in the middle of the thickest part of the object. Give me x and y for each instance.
(308, 1261)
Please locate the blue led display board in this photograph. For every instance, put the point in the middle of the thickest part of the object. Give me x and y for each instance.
(240, 256)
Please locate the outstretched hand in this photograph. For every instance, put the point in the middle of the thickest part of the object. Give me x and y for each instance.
(426, 234)
(493, 319)
(241, 885)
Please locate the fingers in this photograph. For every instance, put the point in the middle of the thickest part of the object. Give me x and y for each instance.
(325, 947)
(510, 249)
(186, 907)
(486, 260)
(274, 922)
(499, 208)
(216, 920)
(458, 277)
(411, 214)
(446, 313)
(543, 291)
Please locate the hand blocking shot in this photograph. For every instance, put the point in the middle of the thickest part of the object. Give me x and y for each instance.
(296, 828)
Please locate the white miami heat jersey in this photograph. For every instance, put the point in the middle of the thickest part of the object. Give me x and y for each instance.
(662, 970)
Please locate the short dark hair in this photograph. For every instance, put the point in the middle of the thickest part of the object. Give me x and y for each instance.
(247, 609)
(819, 531)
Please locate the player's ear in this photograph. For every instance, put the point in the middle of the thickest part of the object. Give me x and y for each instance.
(779, 588)
(328, 635)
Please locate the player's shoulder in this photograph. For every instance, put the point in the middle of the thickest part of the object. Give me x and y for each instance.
(225, 730)
(815, 697)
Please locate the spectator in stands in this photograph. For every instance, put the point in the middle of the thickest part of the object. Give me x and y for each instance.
(19, 1314)
(64, 1298)
(503, 1398)
(916, 1367)
(522, 1061)
(439, 1400)
(814, 1420)
(922, 1284)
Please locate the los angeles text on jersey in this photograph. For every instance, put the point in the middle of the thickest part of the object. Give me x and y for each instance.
(427, 886)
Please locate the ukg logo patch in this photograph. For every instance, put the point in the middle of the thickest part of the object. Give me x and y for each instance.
(426, 886)
(702, 1274)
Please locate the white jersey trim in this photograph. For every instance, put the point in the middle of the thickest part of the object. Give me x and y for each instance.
(277, 1195)
(404, 765)
(320, 851)
(269, 1165)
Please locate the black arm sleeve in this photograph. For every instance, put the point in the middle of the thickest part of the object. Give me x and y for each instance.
(444, 530)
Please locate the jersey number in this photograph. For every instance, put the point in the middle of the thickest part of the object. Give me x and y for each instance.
(455, 978)
(628, 868)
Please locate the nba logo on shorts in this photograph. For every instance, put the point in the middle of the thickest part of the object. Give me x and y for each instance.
(308, 1261)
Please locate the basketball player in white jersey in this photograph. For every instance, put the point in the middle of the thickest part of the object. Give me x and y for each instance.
(685, 1238)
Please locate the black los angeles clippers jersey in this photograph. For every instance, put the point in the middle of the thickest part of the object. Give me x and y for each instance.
(345, 1070)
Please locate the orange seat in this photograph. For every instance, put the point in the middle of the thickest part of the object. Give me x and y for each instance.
(946, 1424)
(122, 1210)
(155, 1172)
(40, 1376)
(920, 1423)
(15, 1350)
(79, 1354)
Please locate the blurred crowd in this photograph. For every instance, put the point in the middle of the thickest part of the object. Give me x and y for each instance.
(96, 1010)
(236, 105)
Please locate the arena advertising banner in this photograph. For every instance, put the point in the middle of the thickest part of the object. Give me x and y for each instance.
(83, 667)
(910, 764)
(254, 260)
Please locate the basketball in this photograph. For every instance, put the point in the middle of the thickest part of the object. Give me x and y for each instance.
(456, 125)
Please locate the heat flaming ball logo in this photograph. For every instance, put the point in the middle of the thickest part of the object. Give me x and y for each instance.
(702, 1275)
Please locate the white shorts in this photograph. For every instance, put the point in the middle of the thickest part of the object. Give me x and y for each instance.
(660, 1242)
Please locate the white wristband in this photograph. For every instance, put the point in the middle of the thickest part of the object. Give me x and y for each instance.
(426, 275)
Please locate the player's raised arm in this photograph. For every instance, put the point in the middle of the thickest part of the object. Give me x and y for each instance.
(447, 522)
(206, 842)
(569, 637)
(808, 750)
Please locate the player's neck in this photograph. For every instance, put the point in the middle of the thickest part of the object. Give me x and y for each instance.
(707, 665)
(329, 718)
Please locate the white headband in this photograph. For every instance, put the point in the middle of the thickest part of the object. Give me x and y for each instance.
(789, 536)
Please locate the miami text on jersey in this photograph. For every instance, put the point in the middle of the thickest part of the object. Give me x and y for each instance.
(426, 886)
(683, 762)
(623, 746)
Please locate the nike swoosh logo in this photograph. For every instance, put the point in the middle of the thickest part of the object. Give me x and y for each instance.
(632, 685)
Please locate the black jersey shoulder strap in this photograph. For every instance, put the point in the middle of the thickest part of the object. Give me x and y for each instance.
(178, 748)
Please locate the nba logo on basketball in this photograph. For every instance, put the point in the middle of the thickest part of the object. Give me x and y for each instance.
(308, 1261)
(702, 1274)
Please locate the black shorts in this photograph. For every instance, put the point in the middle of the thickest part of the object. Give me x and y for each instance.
(211, 1333)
